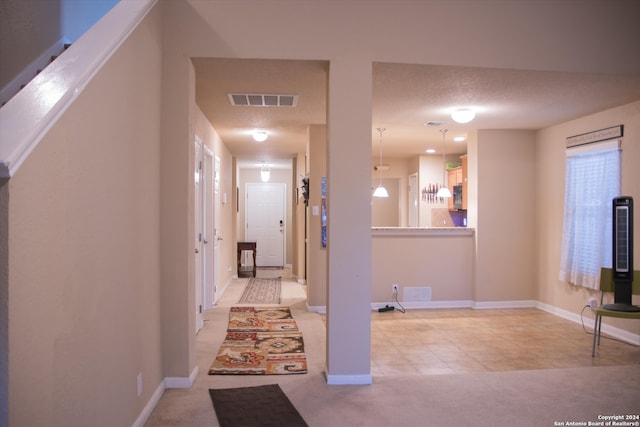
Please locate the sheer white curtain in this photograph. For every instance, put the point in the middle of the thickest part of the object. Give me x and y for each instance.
(592, 181)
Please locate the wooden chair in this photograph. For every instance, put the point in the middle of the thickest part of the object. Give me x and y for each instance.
(607, 285)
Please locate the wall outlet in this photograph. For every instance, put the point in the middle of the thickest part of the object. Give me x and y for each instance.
(592, 302)
(394, 289)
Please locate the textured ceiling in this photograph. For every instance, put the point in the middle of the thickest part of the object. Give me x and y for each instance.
(405, 96)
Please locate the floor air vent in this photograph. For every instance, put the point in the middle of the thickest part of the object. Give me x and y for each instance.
(416, 294)
(261, 100)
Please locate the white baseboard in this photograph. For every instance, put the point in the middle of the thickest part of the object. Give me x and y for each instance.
(349, 379)
(320, 309)
(504, 304)
(621, 334)
(168, 382)
(151, 404)
(424, 304)
(441, 304)
(181, 382)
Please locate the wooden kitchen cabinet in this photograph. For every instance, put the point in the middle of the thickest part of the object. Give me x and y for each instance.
(464, 169)
(458, 176)
(454, 178)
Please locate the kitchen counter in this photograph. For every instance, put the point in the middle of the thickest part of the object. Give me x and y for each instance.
(422, 231)
(435, 260)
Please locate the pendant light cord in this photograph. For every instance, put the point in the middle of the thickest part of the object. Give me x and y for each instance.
(444, 162)
(380, 163)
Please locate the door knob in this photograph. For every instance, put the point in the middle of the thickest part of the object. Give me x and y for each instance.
(219, 238)
(197, 250)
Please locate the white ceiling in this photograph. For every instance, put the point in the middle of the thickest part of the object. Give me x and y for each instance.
(405, 96)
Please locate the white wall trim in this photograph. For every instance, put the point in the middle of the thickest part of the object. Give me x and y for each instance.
(424, 304)
(31, 113)
(181, 382)
(504, 304)
(151, 404)
(620, 334)
(349, 379)
(320, 309)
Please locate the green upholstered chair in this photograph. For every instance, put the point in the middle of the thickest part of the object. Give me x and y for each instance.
(607, 285)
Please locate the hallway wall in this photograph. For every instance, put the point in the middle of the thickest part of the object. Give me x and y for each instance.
(84, 270)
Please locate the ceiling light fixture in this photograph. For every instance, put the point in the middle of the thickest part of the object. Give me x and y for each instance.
(380, 190)
(260, 135)
(265, 173)
(443, 192)
(463, 116)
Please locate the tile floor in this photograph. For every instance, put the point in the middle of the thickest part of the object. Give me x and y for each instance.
(446, 341)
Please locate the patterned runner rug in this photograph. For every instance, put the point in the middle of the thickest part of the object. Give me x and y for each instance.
(261, 291)
(261, 341)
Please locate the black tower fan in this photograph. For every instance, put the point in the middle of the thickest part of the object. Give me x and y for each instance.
(622, 254)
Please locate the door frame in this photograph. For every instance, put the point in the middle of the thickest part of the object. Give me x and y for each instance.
(208, 229)
(198, 213)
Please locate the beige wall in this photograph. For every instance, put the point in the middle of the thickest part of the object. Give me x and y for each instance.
(316, 254)
(550, 171)
(84, 267)
(506, 222)
(385, 211)
(390, 212)
(444, 263)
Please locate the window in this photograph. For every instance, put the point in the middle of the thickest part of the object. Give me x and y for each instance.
(592, 181)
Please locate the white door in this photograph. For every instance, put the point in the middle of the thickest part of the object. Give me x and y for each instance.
(208, 231)
(216, 232)
(198, 238)
(414, 200)
(265, 222)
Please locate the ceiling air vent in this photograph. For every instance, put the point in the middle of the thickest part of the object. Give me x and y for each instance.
(258, 100)
(435, 123)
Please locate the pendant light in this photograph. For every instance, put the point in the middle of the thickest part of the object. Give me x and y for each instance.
(443, 192)
(380, 190)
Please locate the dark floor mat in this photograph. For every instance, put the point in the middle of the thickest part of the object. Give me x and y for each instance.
(265, 405)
